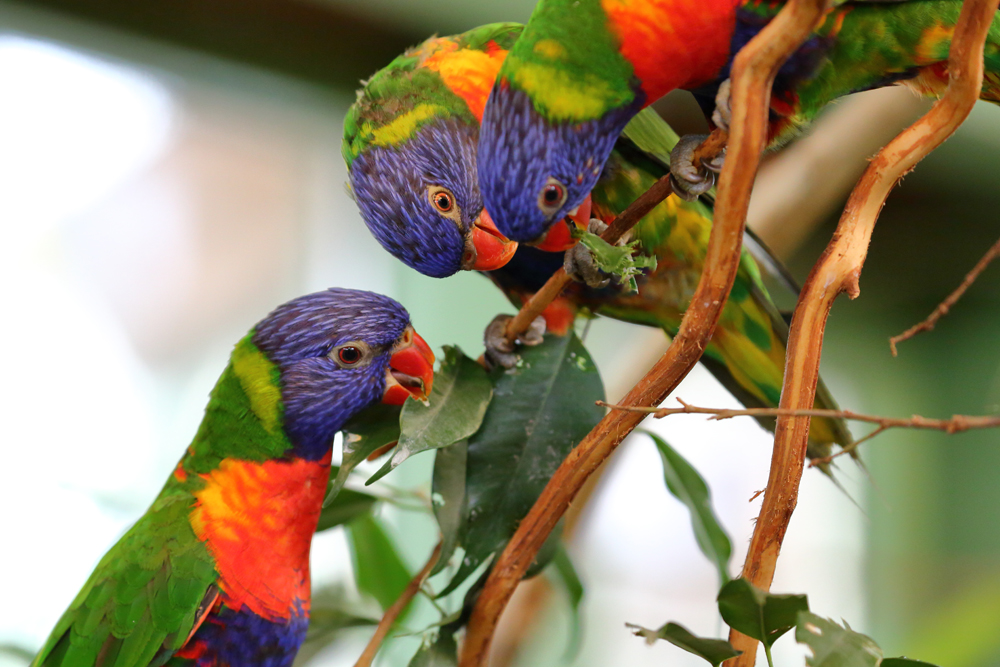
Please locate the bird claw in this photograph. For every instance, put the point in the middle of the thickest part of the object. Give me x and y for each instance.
(578, 262)
(688, 181)
(723, 114)
(500, 351)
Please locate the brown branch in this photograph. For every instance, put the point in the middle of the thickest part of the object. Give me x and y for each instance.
(838, 271)
(753, 72)
(945, 306)
(393, 612)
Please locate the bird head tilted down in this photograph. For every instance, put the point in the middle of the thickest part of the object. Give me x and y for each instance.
(410, 143)
(579, 72)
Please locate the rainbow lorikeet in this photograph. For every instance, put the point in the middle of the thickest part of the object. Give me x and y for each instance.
(583, 68)
(411, 137)
(216, 572)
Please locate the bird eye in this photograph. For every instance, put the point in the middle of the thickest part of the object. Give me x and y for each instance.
(442, 200)
(349, 354)
(552, 196)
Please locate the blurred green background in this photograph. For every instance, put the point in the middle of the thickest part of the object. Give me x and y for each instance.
(171, 171)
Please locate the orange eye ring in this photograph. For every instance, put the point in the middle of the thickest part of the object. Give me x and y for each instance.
(349, 355)
(552, 194)
(443, 202)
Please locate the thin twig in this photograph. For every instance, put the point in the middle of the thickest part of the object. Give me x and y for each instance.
(393, 612)
(955, 424)
(752, 75)
(838, 271)
(945, 306)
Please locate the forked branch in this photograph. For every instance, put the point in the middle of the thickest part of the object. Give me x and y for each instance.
(838, 271)
(753, 72)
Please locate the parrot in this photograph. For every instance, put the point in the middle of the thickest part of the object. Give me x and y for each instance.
(410, 137)
(216, 572)
(583, 68)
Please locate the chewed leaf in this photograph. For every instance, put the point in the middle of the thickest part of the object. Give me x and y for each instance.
(617, 260)
(453, 412)
(834, 646)
(370, 430)
(684, 482)
(759, 614)
(715, 651)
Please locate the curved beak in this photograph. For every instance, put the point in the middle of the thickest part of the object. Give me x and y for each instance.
(559, 237)
(411, 370)
(489, 248)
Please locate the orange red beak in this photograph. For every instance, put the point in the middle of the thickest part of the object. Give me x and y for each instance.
(490, 248)
(560, 235)
(411, 370)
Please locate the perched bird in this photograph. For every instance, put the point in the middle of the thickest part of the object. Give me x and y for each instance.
(216, 572)
(432, 87)
(583, 68)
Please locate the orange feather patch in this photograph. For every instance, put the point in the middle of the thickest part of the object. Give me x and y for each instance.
(469, 73)
(257, 520)
(672, 43)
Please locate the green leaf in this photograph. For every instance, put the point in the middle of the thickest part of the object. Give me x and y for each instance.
(758, 614)
(453, 412)
(715, 651)
(539, 412)
(346, 506)
(448, 498)
(370, 429)
(834, 646)
(904, 662)
(442, 652)
(564, 571)
(378, 568)
(617, 260)
(687, 485)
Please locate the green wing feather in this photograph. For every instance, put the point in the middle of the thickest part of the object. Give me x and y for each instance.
(143, 599)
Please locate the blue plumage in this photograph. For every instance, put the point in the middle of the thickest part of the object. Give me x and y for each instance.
(391, 188)
(318, 394)
(522, 153)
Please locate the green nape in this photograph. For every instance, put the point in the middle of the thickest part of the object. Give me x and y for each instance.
(250, 385)
(404, 96)
(568, 62)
